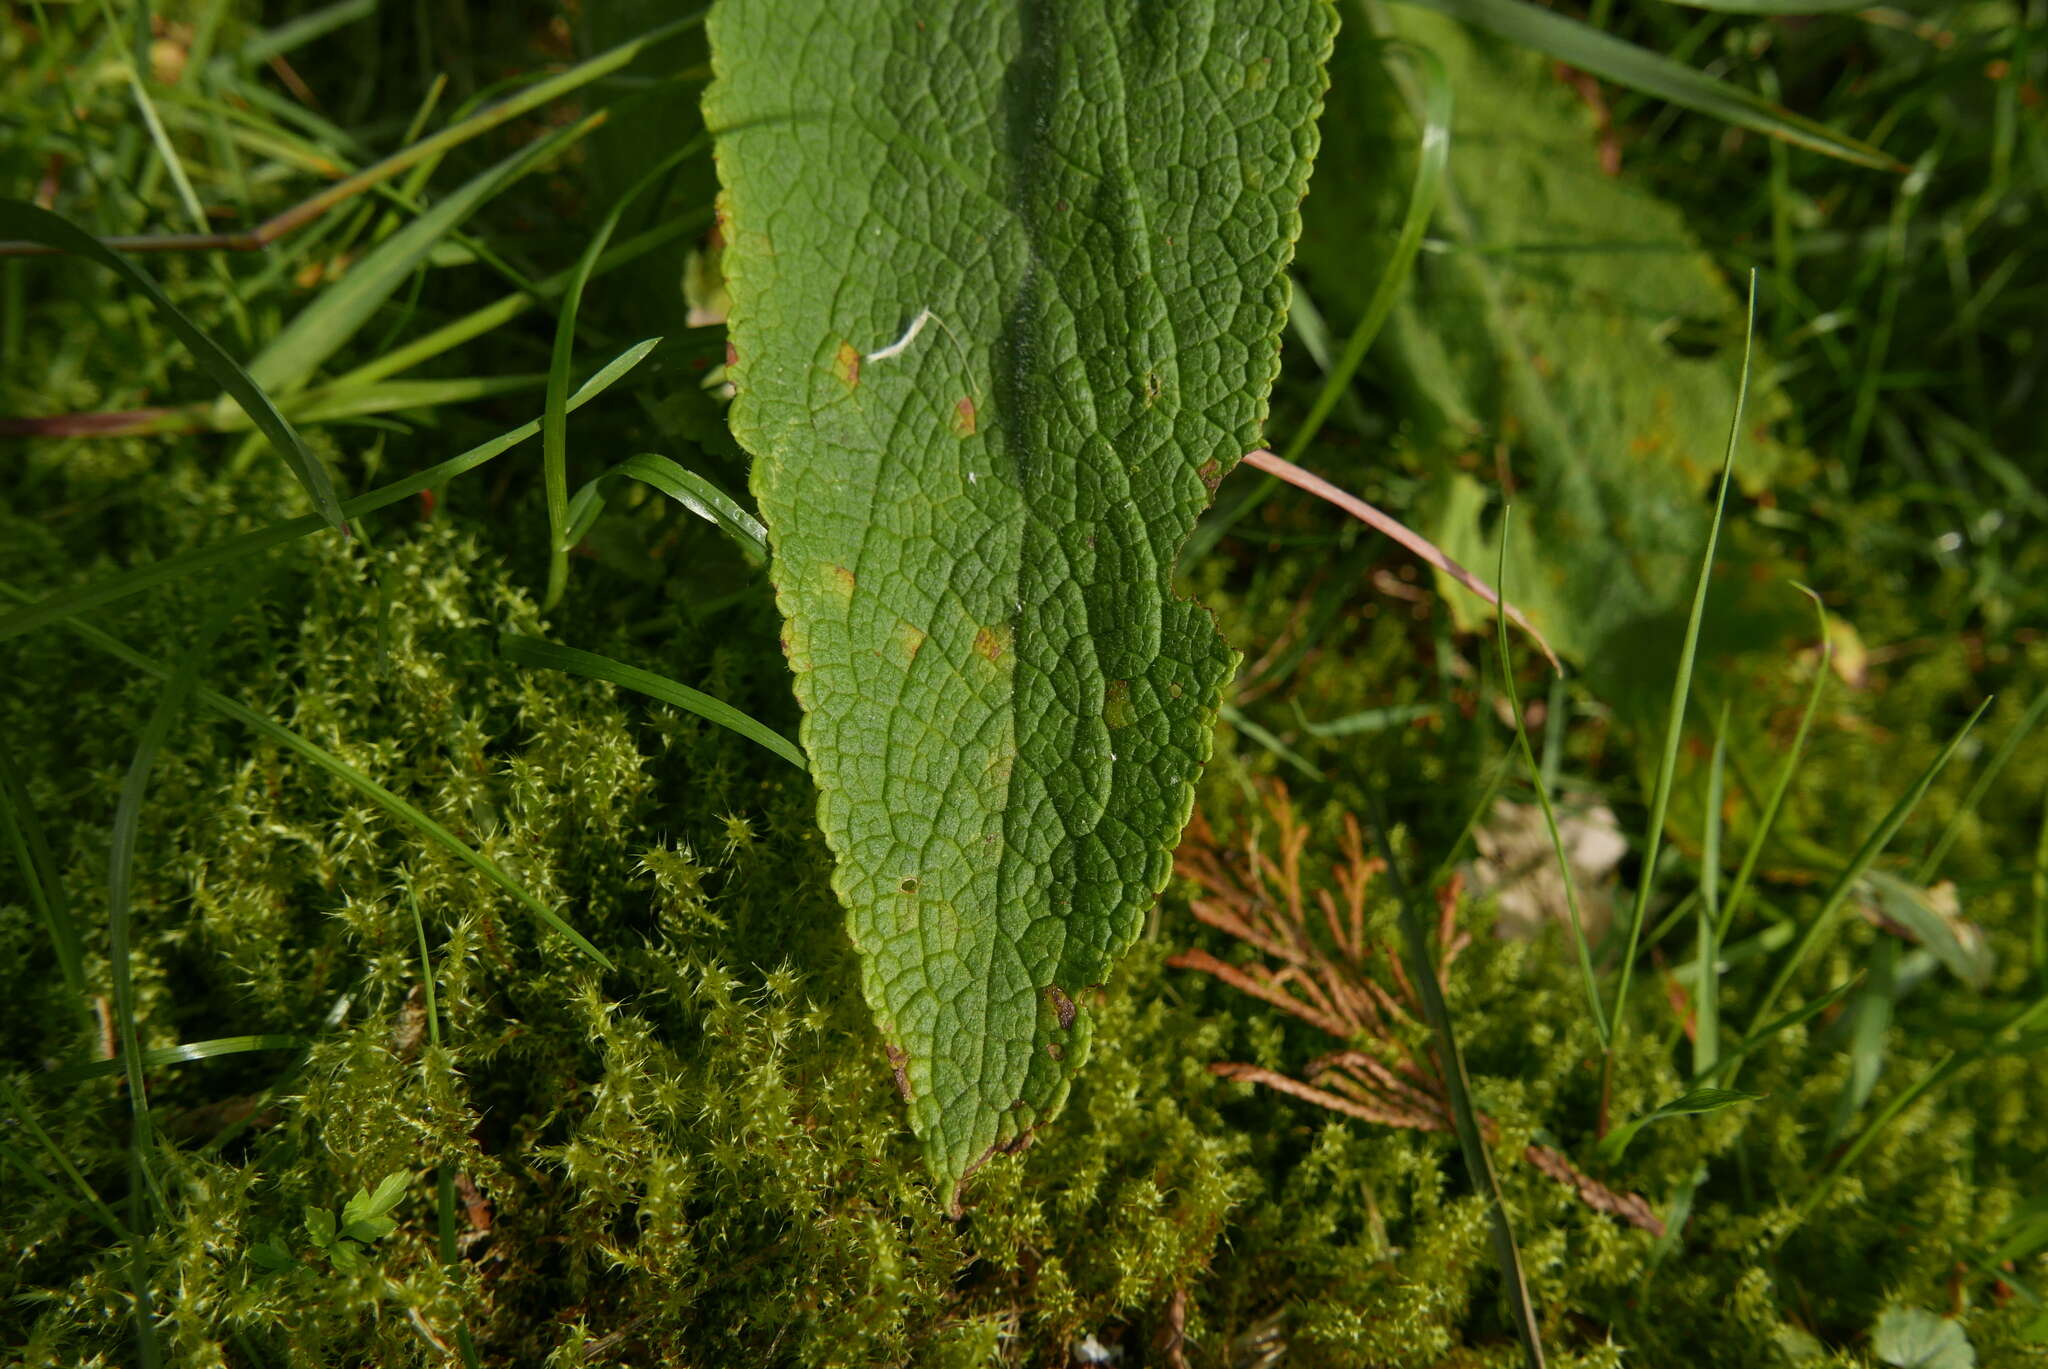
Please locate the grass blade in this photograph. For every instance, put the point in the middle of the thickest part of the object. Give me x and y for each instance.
(687, 488)
(1465, 1121)
(1681, 690)
(1783, 783)
(2038, 938)
(1393, 529)
(177, 690)
(491, 316)
(1935, 1075)
(324, 326)
(183, 1053)
(27, 222)
(554, 428)
(1587, 48)
(1805, 1012)
(1706, 1015)
(1588, 981)
(39, 874)
(93, 1202)
(532, 651)
(1236, 718)
(1785, 7)
(391, 803)
(1852, 874)
(66, 603)
(1691, 1103)
(1979, 788)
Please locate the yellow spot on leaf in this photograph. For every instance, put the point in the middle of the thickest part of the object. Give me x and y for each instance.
(963, 418)
(908, 641)
(1116, 704)
(846, 365)
(991, 643)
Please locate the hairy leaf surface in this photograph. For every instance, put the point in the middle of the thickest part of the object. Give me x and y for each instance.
(1006, 287)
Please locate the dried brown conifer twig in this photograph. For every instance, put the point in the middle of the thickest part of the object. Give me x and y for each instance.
(1317, 968)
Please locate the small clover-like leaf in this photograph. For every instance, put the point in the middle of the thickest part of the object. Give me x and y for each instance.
(1911, 1338)
(347, 1257)
(1007, 284)
(320, 1226)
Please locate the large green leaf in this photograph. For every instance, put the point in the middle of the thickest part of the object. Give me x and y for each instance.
(1006, 291)
(1568, 347)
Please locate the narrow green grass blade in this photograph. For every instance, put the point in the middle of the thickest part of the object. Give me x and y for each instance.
(1805, 1012)
(391, 803)
(1937, 1074)
(39, 874)
(27, 222)
(1870, 1017)
(1496, 775)
(1691, 1103)
(282, 38)
(1587, 980)
(419, 926)
(495, 315)
(1432, 156)
(67, 603)
(322, 327)
(1269, 742)
(1706, 1014)
(1464, 1120)
(29, 1171)
(532, 651)
(444, 1173)
(1852, 874)
(94, 1203)
(170, 703)
(1367, 720)
(1980, 787)
(328, 403)
(1587, 48)
(1769, 818)
(183, 1053)
(681, 484)
(554, 427)
(1785, 7)
(1681, 687)
(2038, 940)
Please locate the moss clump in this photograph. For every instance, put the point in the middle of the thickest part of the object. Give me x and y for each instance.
(698, 1157)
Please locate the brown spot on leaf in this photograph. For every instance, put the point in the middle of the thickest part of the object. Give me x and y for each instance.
(1211, 472)
(991, 642)
(1016, 1145)
(899, 1061)
(1062, 1006)
(1116, 704)
(732, 354)
(841, 580)
(963, 417)
(1055, 1051)
(846, 365)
